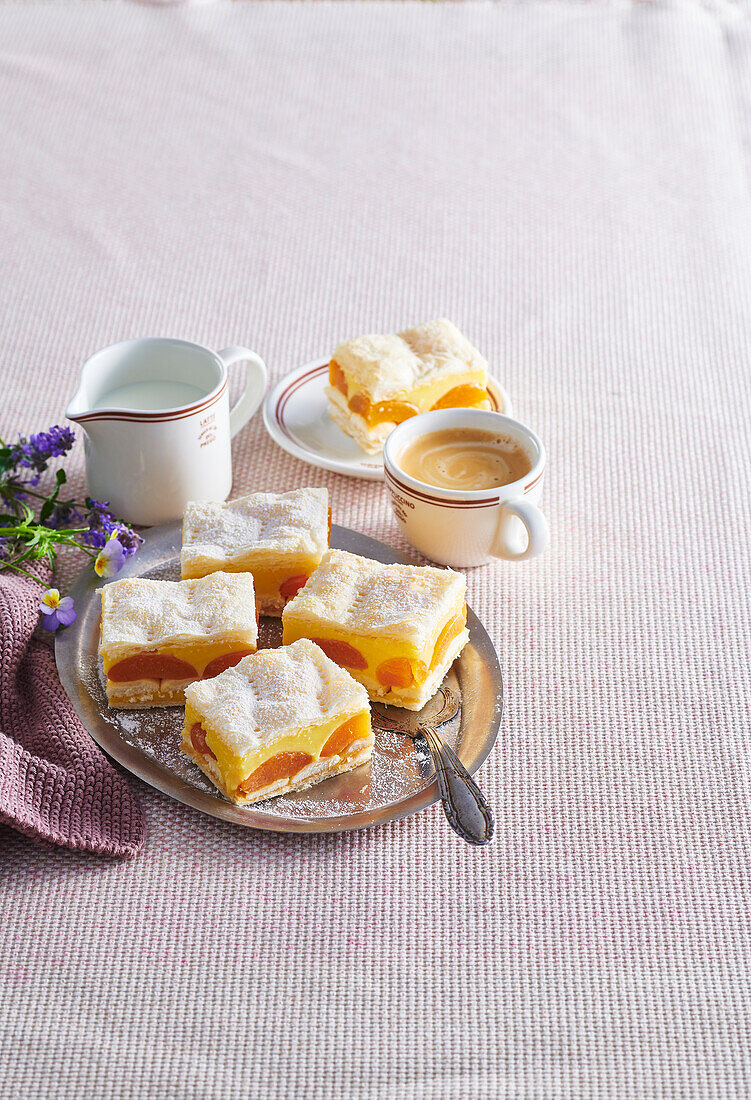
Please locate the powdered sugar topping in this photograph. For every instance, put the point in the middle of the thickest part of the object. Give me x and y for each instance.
(273, 693)
(409, 602)
(387, 366)
(138, 613)
(225, 532)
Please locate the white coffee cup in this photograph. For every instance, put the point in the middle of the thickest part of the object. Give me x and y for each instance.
(465, 528)
(148, 461)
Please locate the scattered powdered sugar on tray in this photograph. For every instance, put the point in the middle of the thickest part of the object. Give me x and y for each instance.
(128, 722)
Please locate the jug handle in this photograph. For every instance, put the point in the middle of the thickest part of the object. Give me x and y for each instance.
(255, 385)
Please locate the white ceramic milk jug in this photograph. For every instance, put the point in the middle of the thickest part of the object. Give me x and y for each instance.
(158, 424)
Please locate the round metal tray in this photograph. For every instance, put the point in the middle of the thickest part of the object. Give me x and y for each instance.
(398, 781)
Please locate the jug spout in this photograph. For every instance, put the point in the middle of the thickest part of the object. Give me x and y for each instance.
(76, 409)
(78, 406)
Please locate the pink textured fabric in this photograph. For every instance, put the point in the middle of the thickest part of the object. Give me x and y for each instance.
(55, 784)
(569, 182)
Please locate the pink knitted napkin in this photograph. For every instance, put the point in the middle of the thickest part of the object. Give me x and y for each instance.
(55, 784)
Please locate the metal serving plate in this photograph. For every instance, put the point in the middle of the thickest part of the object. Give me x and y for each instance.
(398, 781)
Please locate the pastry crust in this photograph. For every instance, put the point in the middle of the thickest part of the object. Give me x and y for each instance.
(371, 440)
(408, 603)
(198, 621)
(270, 605)
(387, 367)
(359, 753)
(270, 530)
(397, 628)
(140, 614)
(147, 693)
(276, 701)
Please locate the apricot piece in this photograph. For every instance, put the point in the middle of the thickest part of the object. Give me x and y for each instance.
(462, 397)
(282, 766)
(198, 740)
(336, 377)
(342, 652)
(452, 628)
(225, 661)
(345, 735)
(360, 404)
(151, 666)
(419, 671)
(292, 585)
(396, 672)
(392, 412)
(328, 536)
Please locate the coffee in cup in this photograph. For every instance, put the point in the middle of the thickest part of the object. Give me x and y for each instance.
(465, 486)
(465, 458)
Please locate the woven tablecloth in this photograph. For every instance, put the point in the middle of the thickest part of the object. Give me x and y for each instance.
(570, 184)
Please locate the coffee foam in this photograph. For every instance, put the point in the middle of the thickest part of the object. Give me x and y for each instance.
(465, 459)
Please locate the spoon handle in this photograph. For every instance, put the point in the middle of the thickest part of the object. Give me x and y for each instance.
(464, 805)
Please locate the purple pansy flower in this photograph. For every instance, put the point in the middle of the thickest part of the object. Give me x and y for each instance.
(56, 611)
(103, 526)
(111, 558)
(128, 538)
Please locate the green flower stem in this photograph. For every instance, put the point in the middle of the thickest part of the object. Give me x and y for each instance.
(43, 543)
(25, 512)
(49, 534)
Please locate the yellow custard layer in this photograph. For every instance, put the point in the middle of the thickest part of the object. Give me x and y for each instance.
(198, 655)
(266, 579)
(374, 650)
(383, 656)
(268, 582)
(470, 387)
(311, 740)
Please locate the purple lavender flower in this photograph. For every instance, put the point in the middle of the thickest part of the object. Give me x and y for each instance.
(35, 452)
(101, 523)
(54, 443)
(103, 526)
(128, 538)
(99, 507)
(56, 611)
(64, 514)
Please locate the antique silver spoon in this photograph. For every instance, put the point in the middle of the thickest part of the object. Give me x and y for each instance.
(464, 805)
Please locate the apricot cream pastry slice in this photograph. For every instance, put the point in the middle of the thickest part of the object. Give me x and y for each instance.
(159, 636)
(396, 628)
(281, 720)
(278, 537)
(376, 382)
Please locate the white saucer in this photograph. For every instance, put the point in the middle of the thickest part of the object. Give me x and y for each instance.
(296, 415)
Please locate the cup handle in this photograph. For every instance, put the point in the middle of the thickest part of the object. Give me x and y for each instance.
(538, 532)
(255, 385)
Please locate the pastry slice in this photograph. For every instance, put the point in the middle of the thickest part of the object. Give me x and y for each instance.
(159, 636)
(278, 537)
(376, 382)
(396, 628)
(280, 720)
